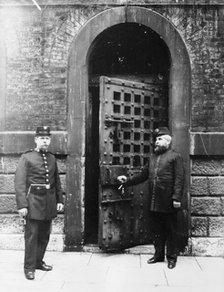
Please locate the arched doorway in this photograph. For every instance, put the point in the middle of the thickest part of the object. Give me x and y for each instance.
(86, 50)
(135, 54)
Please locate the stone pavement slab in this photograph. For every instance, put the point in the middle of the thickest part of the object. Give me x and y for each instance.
(100, 272)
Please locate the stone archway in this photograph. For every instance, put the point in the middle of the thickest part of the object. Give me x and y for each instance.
(179, 92)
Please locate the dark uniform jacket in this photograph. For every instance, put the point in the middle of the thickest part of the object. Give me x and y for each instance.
(165, 173)
(37, 185)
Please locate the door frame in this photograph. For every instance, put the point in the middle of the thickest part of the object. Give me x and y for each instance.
(179, 97)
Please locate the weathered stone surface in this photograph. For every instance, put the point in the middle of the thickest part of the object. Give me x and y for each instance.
(222, 202)
(63, 182)
(56, 242)
(16, 242)
(7, 184)
(222, 167)
(216, 226)
(11, 224)
(58, 225)
(14, 224)
(208, 246)
(199, 226)
(206, 167)
(8, 164)
(61, 165)
(7, 204)
(206, 206)
(199, 186)
(207, 144)
(216, 185)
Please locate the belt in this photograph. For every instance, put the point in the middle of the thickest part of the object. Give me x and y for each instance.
(43, 186)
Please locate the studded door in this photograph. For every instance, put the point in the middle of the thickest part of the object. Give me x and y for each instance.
(129, 113)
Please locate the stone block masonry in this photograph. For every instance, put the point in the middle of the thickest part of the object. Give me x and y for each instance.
(207, 205)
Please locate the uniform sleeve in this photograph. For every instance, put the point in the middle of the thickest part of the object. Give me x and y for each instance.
(20, 183)
(140, 177)
(59, 196)
(179, 178)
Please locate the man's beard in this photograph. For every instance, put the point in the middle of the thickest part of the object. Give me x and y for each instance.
(44, 148)
(160, 149)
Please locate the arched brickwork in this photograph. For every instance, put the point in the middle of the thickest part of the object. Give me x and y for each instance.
(179, 96)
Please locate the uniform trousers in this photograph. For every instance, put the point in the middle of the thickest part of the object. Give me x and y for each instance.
(163, 230)
(37, 234)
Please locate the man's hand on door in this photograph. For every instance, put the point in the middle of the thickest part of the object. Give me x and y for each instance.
(122, 179)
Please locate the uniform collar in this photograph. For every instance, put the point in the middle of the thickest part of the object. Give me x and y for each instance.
(41, 151)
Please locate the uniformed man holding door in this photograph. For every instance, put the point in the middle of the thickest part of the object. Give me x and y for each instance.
(39, 198)
(165, 173)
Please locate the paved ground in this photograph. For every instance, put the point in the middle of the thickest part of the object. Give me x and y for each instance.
(98, 272)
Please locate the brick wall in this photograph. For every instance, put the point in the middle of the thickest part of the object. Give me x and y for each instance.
(202, 29)
(37, 46)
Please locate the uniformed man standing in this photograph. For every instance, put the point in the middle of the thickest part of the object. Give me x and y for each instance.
(39, 198)
(165, 173)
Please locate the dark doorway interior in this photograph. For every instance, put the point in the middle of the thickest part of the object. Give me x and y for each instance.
(129, 51)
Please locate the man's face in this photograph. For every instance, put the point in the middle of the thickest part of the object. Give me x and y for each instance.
(162, 143)
(42, 142)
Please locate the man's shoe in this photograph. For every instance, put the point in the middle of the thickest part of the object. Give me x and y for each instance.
(29, 275)
(43, 267)
(154, 260)
(171, 264)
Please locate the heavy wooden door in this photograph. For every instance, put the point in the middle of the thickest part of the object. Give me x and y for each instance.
(129, 113)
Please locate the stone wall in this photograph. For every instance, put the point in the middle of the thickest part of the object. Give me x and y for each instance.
(202, 29)
(37, 49)
(33, 82)
(207, 205)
